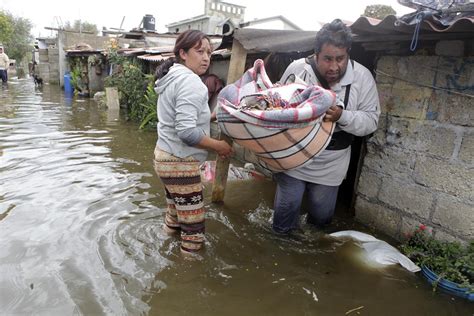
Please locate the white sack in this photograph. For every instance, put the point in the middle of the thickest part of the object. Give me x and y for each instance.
(378, 250)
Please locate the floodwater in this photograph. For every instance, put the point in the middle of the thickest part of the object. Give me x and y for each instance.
(81, 213)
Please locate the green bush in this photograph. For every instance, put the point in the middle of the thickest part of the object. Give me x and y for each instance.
(136, 89)
(78, 81)
(149, 110)
(449, 260)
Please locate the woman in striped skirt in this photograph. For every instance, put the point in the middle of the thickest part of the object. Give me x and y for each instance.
(184, 136)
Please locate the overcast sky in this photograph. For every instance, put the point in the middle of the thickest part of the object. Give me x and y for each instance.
(109, 14)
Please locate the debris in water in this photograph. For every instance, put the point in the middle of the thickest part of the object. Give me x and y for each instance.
(354, 309)
(315, 297)
(224, 275)
(281, 279)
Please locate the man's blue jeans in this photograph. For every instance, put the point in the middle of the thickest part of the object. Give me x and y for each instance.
(3, 75)
(288, 198)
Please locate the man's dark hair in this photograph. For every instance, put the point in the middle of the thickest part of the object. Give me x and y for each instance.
(335, 33)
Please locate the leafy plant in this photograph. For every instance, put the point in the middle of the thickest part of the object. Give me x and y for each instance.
(450, 260)
(95, 60)
(78, 81)
(130, 81)
(75, 78)
(136, 89)
(149, 106)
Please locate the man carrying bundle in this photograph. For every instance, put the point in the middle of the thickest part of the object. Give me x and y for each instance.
(331, 68)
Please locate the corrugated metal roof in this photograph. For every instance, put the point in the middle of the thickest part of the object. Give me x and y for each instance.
(159, 50)
(78, 52)
(365, 30)
(392, 25)
(155, 58)
(222, 53)
(162, 53)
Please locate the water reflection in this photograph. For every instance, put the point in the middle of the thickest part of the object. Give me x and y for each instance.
(80, 218)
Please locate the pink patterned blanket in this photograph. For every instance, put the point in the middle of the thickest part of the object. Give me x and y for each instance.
(282, 125)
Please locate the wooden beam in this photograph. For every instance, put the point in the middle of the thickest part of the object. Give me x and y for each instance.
(69, 31)
(236, 69)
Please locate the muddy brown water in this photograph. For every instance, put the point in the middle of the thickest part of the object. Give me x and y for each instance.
(80, 218)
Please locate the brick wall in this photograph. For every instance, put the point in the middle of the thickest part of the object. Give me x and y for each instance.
(419, 168)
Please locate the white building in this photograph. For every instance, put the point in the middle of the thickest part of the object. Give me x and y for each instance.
(218, 18)
(278, 22)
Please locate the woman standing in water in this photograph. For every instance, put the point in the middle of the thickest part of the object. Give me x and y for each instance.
(183, 136)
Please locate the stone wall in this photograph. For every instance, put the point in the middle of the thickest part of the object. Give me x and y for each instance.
(419, 168)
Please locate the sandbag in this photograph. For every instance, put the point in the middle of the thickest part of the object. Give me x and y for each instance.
(378, 250)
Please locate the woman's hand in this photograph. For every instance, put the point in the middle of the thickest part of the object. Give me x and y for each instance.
(223, 149)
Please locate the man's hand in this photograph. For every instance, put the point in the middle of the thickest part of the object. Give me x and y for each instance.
(333, 114)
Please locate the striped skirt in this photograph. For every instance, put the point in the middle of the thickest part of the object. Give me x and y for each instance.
(185, 213)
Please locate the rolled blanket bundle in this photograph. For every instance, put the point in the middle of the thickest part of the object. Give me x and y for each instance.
(282, 125)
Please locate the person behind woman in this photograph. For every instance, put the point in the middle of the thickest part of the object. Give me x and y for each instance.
(183, 136)
(4, 64)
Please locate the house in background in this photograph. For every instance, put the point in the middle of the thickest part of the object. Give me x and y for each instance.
(278, 22)
(218, 18)
(222, 18)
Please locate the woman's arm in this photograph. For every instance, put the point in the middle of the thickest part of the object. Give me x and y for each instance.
(221, 147)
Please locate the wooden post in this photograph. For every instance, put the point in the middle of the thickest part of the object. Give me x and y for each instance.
(112, 97)
(236, 69)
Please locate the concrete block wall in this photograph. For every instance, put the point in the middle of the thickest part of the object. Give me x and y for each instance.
(48, 66)
(419, 168)
(53, 60)
(43, 66)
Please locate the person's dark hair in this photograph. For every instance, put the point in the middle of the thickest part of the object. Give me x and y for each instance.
(185, 41)
(335, 33)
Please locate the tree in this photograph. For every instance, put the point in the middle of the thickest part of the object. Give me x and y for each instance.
(378, 11)
(15, 35)
(82, 26)
(6, 28)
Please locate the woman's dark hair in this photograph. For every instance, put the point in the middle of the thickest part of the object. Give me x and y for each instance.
(335, 33)
(185, 41)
